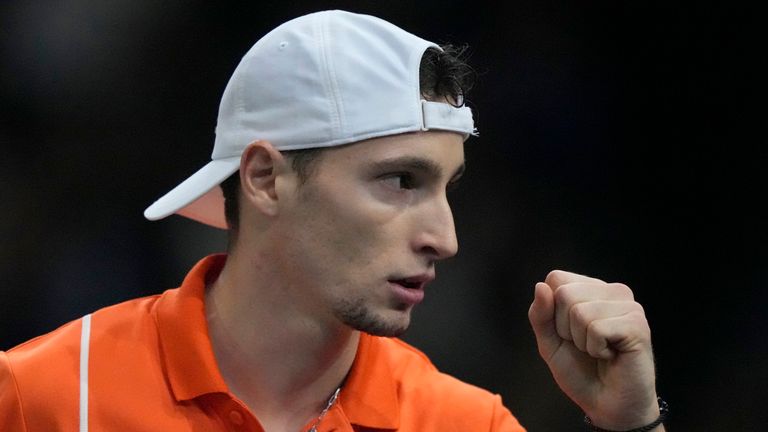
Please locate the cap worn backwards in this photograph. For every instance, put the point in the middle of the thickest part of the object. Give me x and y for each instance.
(324, 79)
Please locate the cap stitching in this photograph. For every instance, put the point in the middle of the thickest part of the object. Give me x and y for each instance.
(327, 78)
(334, 84)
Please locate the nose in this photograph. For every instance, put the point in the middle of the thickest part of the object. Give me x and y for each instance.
(436, 237)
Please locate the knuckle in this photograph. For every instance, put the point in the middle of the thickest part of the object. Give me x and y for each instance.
(596, 329)
(568, 291)
(639, 309)
(578, 312)
(640, 321)
(622, 289)
(553, 277)
(563, 295)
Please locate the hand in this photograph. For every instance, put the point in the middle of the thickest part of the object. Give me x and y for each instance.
(596, 341)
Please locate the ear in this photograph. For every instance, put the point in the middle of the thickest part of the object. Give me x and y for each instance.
(260, 165)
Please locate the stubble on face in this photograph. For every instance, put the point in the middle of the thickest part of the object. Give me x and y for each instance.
(348, 247)
(358, 221)
(357, 315)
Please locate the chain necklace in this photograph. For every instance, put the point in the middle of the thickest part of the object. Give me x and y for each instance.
(325, 410)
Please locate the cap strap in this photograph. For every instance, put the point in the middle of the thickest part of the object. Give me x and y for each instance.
(442, 116)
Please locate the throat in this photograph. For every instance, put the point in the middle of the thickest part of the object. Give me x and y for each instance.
(285, 385)
(284, 366)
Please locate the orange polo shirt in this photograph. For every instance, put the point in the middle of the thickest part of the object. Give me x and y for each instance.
(147, 365)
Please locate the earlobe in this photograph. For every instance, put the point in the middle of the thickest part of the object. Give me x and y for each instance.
(259, 166)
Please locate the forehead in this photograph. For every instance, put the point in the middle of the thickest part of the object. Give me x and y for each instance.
(444, 149)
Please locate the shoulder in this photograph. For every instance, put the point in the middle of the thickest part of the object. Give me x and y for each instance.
(44, 372)
(64, 342)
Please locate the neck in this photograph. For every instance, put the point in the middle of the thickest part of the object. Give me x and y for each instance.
(275, 357)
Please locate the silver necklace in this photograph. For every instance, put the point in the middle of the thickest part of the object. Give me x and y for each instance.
(325, 410)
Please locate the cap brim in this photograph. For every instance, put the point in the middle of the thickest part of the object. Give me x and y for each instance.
(198, 197)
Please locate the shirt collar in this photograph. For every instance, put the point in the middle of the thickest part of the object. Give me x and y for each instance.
(369, 396)
(185, 343)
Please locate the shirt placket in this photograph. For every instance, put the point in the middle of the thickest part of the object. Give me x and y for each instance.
(232, 414)
(334, 421)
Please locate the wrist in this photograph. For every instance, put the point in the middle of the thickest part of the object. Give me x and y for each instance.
(653, 426)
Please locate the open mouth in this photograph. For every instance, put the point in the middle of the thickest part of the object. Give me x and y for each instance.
(408, 291)
(410, 284)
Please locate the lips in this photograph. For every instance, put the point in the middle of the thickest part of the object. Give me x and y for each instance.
(411, 289)
(418, 281)
(409, 283)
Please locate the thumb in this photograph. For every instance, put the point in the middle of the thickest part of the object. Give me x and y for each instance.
(542, 317)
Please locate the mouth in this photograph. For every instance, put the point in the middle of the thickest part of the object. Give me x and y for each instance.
(418, 281)
(410, 289)
(409, 283)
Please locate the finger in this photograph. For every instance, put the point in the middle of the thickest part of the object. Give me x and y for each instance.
(568, 295)
(541, 314)
(555, 278)
(582, 315)
(621, 334)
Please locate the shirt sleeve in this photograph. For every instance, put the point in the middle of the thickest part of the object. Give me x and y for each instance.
(11, 415)
(503, 420)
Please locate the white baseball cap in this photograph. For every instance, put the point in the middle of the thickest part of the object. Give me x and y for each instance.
(324, 79)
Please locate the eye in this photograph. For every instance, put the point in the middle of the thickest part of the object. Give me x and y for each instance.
(400, 181)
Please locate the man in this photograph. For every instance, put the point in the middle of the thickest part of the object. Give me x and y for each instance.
(337, 138)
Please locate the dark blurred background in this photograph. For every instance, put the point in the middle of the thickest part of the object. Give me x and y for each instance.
(623, 140)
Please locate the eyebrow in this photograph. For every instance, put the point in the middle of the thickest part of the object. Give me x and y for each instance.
(419, 164)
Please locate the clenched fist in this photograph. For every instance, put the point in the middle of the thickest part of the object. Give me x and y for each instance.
(596, 341)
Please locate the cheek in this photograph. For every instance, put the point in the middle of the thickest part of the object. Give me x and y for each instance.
(348, 229)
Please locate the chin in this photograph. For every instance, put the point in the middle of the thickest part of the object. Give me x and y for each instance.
(383, 329)
(391, 323)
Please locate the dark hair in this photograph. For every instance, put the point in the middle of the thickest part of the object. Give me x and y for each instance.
(442, 74)
(445, 74)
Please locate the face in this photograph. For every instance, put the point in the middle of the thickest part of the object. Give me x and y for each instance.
(360, 239)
